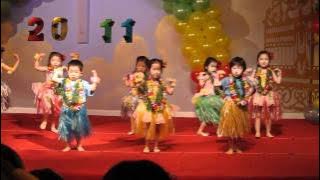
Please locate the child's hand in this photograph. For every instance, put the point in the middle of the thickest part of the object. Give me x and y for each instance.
(16, 56)
(95, 78)
(39, 56)
(74, 55)
(243, 103)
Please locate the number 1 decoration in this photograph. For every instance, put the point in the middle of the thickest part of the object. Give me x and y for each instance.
(107, 24)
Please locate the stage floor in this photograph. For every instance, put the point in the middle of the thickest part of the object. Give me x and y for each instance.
(293, 153)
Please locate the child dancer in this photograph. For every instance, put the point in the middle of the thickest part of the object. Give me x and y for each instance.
(265, 103)
(48, 102)
(130, 102)
(234, 122)
(153, 113)
(5, 89)
(73, 121)
(207, 102)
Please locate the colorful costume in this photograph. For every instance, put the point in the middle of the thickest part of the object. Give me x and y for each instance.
(5, 92)
(74, 121)
(130, 102)
(153, 110)
(234, 117)
(46, 99)
(265, 103)
(207, 103)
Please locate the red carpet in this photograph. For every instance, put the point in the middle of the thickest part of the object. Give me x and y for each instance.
(292, 154)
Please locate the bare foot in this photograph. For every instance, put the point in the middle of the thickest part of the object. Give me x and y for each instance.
(156, 150)
(146, 150)
(53, 129)
(203, 134)
(66, 149)
(80, 148)
(258, 135)
(43, 125)
(219, 134)
(270, 135)
(130, 133)
(238, 151)
(230, 151)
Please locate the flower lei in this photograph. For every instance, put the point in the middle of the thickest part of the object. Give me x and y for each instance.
(235, 92)
(155, 101)
(72, 98)
(264, 81)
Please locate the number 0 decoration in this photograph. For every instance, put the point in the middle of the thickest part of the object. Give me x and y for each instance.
(64, 28)
(62, 23)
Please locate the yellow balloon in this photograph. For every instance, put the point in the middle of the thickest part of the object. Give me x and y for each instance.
(212, 29)
(196, 61)
(206, 45)
(181, 26)
(189, 49)
(213, 13)
(316, 103)
(191, 35)
(221, 54)
(222, 41)
(197, 19)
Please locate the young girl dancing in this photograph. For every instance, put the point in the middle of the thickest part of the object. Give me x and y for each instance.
(74, 122)
(234, 122)
(208, 102)
(265, 103)
(154, 114)
(47, 101)
(5, 89)
(130, 102)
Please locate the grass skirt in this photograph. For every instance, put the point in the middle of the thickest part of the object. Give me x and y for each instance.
(5, 92)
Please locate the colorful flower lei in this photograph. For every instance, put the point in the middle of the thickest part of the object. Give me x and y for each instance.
(154, 100)
(72, 98)
(264, 81)
(235, 91)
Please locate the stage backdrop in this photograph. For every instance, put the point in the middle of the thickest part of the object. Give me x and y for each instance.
(153, 36)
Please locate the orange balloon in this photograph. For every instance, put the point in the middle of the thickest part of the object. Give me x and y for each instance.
(195, 61)
(197, 19)
(213, 13)
(222, 41)
(181, 26)
(212, 29)
(221, 54)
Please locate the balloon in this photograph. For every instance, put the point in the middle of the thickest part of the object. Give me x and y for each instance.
(197, 19)
(212, 13)
(36, 35)
(181, 26)
(212, 29)
(189, 49)
(206, 45)
(128, 24)
(191, 35)
(312, 115)
(200, 5)
(221, 54)
(182, 11)
(222, 41)
(196, 61)
(168, 6)
(107, 25)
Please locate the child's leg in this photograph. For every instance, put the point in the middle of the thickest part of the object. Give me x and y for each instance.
(54, 119)
(68, 147)
(44, 122)
(257, 127)
(156, 143)
(201, 128)
(79, 145)
(132, 124)
(146, 147)
(231, 146)
(237, 145)
(268, 128)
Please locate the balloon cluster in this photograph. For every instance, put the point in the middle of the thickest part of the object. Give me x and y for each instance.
(202, 36)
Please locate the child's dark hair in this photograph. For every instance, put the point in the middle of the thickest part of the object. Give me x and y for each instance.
(61, 56)
(142, 59)
(266, 53)
(155, 61)
(208, 61)
(77, 63)
(238, 61)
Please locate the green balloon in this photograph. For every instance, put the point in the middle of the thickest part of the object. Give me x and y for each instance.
(182, 11)
(168, 6)
(201, 5)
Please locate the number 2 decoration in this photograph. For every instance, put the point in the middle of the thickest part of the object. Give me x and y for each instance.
(36, 35)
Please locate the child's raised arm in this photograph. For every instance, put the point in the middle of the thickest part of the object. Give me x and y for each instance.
(277, 75)
(95, 80)
(170, 85)
(9, 69)
(37, 66)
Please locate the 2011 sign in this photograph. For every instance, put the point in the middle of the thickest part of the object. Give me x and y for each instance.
(37, 35)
